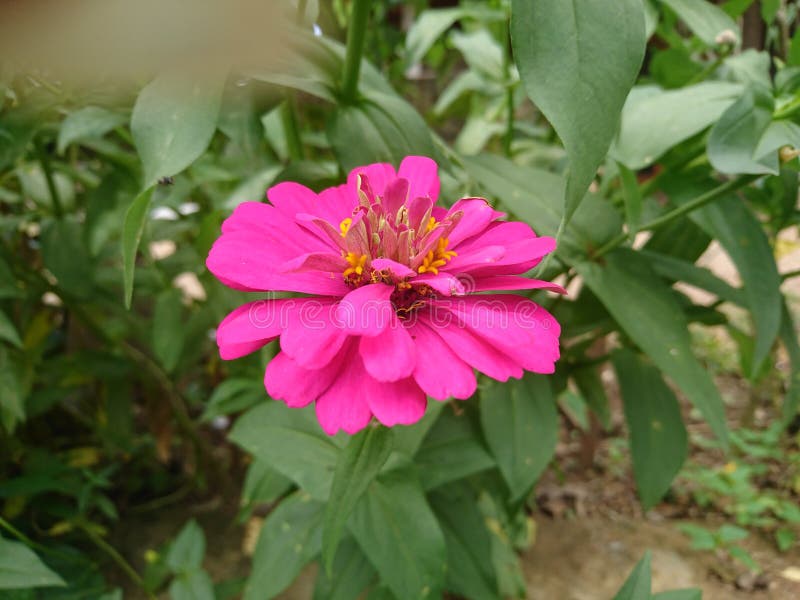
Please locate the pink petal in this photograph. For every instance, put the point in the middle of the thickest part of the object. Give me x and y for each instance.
(292, 198)
(422, 175)
(389, 356)
(285, 380)
(378, 174)
(344, 404)
(478, 214)
(513, 282)
(475, 257)
(439, 371)
(395, 268)
(471, 349)
(444, 283)
(519, 257)
(366, 310)
(336, 203)
(394, 196)
(316, 261)
(251, 326)
(311, 337)
(418, 212)
(398, 403)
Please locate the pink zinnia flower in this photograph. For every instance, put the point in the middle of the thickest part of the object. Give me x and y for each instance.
(392, 313)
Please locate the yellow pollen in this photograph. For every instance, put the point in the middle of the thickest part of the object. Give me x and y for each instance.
(431, 225)
(436, 259)
(356, 262)
(344, 226)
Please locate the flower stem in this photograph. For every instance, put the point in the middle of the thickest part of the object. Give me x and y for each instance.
(356, 35)
(117, 558)
(680, 211)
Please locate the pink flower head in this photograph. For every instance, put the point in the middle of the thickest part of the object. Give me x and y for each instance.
(391, 313)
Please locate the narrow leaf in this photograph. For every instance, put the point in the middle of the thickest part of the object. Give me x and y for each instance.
(578, 60)
(632, 198)
(637, 586)
(359, 463)
(658, 436)
(705, 19)
(132, 229)
(8, 331)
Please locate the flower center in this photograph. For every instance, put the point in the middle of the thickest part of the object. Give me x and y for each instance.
(437, 258)
(407, 298)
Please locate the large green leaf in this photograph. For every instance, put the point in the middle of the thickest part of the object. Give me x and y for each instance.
(192, 585)
(359, 463)
(173, 121)
(658, 436)
(733, 145)
(290, 441)
(705, 19)
(290, 537)
(187, 549)
(520, 423)
(66, 256)
(578, 60)
(637, 586)
(469, 558)
(451, 450)
(20, 568)
(647, 311)
(654, 120)
(132, 230)
(687, 594)
(398, 532)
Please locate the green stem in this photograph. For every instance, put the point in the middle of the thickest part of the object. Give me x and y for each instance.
(58, 208)
(680, 211)
(356, 35)
(790, 274)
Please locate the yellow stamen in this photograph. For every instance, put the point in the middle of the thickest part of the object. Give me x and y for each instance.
(436, 259)
(356, 262)
(344, 226)
(431, 224)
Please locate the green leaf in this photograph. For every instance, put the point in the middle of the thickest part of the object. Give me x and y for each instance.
(658, 436)
(632, 198)
(12, 391)
(654, 120)
(705, 19)
(676, 269)
(290, 441)
(8, 282)
(432, 24)
(359, 463)
(469, 558)
(192, 585)
(17, 128)
(8, 331)
(20, 568)
(169, 329)
(399, 534)
(86, 123)
(637, 586)
(593, 393)
(647, 311)
(132, 230)
(578, 60)
(733, 145)
(234, 395)
(290, 537)
(520, 422)
(452, 450)
(352, 574)
(187, 550)
(382, 128)
(173, 122)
